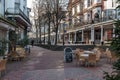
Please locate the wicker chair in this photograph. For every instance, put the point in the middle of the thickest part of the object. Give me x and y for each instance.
(3, 66)
(79, 59)
(92, 59)
(98, 54)
(13, 56)
(21, 54)
(111, 57)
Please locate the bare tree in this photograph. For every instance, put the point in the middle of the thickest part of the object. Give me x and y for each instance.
(53, 14)
(56, 14)
(38, 10)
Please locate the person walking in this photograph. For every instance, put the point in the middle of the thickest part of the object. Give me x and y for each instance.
(32, 43)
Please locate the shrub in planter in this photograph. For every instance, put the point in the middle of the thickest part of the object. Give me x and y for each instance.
(3, 46)
(23, 42)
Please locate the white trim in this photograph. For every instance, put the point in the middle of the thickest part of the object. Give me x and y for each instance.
(20, 17)
(6, 26)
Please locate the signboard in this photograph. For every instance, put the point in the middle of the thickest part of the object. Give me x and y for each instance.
(65, 31)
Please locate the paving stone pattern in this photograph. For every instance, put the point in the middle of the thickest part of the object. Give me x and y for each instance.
(43, 64)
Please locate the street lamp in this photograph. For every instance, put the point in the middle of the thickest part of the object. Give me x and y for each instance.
(64, 33)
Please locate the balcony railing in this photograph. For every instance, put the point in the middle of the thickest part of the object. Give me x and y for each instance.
(108, 15)
(16, 11)
(97, 20)
(17, 1)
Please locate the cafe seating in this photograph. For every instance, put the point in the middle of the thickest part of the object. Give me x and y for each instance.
(92, 59)
(79, 59)
(111, 56)
(13, 56)
(21, 53)
(3, 66)
(98, 55)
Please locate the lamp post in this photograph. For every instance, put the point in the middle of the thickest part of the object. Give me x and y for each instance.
(63, 33)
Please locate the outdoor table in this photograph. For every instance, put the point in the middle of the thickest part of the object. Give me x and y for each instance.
(88, 52)
(84, 55)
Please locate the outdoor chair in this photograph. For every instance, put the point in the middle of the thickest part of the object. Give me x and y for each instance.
(114, 57)
(3, 66)
(76, 52)
(79, 59)
(13, 56)
(108, 56)
(111, 56)
(98, 55)
(102, 53)
(21, 52)
(92, 59)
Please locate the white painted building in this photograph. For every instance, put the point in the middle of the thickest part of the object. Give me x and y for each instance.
(19, 13)
(14, 18)
(93, 23)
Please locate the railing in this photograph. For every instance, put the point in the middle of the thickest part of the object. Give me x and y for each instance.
(16, 11)
(1, 15)
(2, 48)
(17, 1)
(107, 16)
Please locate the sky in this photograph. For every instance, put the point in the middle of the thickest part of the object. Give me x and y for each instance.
(29, 3)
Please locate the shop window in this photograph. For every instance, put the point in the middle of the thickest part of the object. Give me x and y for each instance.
(109, 35)
(88, 3)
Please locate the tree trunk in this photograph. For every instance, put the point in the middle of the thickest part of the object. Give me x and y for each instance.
(40, 34)
(49, 32)
(56, 29)
(44, 34)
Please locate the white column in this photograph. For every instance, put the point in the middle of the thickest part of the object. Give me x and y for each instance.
(92, 34)
(22, 34)
(69, 36)
(75, 37)
(101, 33)
(82, 35)
(113, 30)
(54, 38)
(60, 37)
(7, 38)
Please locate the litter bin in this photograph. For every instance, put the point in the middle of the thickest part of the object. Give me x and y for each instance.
(68, 54)
(27, 49)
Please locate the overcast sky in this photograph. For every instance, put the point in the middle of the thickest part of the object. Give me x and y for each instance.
(29, 3)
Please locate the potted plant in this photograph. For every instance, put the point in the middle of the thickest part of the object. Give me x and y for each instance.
(3, 46)
(24, 43)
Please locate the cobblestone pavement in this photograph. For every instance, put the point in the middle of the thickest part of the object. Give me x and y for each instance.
(43, 64)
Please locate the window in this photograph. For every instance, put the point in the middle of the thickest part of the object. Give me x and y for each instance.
(88, 3)
(73, 11)
(17, 5)
(113, 3)
(78, 8)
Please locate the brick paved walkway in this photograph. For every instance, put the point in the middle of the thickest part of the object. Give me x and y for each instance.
(44, 64)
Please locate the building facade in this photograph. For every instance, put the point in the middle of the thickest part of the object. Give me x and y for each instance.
(14, 20)
(18, 12)
(91, 21)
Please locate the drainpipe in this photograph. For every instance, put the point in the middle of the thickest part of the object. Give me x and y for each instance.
(4, 8)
